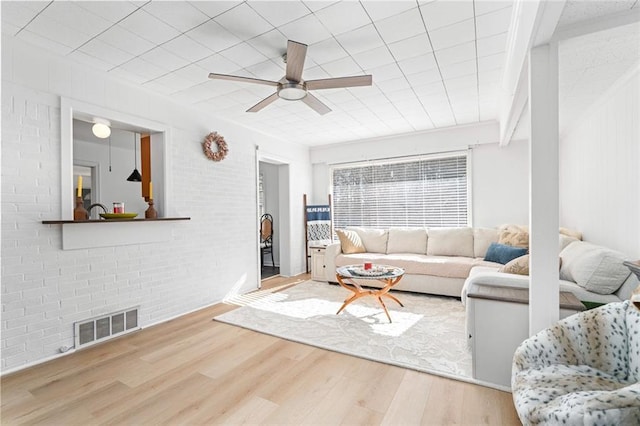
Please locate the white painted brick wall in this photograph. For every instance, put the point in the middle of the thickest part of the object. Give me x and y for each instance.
(46, 289)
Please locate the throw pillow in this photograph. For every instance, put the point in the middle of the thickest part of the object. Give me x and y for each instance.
(571, 233)
(596, 268)
(502, 253)
(350, 241)
(519, 265)
(374, 240)
(515, 238)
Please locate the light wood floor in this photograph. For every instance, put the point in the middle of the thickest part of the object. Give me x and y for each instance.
(193, 370)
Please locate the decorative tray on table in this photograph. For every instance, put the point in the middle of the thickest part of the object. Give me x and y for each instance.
(375, 271)
(118, 215)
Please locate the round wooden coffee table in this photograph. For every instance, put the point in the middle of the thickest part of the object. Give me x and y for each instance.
(389, 275)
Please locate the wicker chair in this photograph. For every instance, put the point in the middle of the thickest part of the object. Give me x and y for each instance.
(266, 237)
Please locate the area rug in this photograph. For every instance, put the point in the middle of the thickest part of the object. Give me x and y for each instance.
(426, 335)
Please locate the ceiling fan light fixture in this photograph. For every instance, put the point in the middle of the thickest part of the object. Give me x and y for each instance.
(101, 128)
(292, 91)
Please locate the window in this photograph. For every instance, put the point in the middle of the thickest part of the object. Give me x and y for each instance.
(431, 191)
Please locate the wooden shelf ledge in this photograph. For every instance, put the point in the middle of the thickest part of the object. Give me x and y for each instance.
(160, 219)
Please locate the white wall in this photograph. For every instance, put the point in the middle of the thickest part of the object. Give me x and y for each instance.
(600, 170)
(500, 176)
(46, 289)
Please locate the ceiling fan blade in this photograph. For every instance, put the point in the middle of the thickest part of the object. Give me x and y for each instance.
(241, 79)
(316, 104)
(263, 103)
(335, 83)
(296, 54)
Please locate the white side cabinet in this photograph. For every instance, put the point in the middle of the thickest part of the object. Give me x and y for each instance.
(500, 324)
(317, 264)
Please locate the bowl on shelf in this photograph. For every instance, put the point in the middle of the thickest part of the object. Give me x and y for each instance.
(118, 215)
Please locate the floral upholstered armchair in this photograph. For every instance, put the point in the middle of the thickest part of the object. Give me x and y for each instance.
(583, 370)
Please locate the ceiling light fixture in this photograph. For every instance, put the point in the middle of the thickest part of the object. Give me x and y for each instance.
(135, 175)
(101, 128)
(292, 91)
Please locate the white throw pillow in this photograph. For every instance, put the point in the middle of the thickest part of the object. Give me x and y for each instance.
(407, 240)
(374, 240)
(482, 239)
(450, 242)
(596, 268)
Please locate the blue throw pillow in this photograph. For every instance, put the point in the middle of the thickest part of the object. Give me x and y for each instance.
(502, 253)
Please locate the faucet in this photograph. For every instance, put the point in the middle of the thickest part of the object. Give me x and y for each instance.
(97, 205)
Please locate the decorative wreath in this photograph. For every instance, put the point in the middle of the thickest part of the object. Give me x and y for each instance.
(214, 138)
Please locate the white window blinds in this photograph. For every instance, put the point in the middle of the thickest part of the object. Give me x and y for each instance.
(428, 192)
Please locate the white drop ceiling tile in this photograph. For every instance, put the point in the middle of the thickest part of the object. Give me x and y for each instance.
(418, 64)
(453, 55)
(487, 6)
(279, 12)
(267, 70)
(90, 60)
(218, 64)
(435, 88)
(106, 52)
(314, 5)
(393, 85)
(411, 47)
(180, 15)
(109, 10)
(360, 40)
(9, 29)
(143, 68)
(488, 77)
(325, 51)
(271, 44)
(493, 23)
(243, 22)
(45, 42)
(187, 48)
(307, 30)
(425, 77)
(315, 73)
(335, 95)
(20, 13)
(194, 94)
(467, 118)
(342, 67)
(164, 59)
(193, 73)
(214, 8)
(491, 45)
(488, 63)
(405, 98)
(462, 83)
(378, 10)
(172, 82)
(244, 55)
(213, 36)
(52, 30)
(373, 100)
(385, 72)
(160, 88)
(374, 58)
(126, 40)
(458, 70)
(453, 35)
(70, 15)
(126, 75)
(348, 106)
(402, 26)
(343, 16)
(442, 13)
(149, 27)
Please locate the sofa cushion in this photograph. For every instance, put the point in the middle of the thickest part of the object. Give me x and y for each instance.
(416, 264)
(596, 268)
(350, 241)
(374, 240)
(502, 253)
(482, 238)
(407, 240)
(514, 237)
(450, 242)
(564, 241)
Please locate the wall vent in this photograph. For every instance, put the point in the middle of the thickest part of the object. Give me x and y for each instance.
(99, 329)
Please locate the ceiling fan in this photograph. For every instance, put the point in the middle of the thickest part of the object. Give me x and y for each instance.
(292, 87)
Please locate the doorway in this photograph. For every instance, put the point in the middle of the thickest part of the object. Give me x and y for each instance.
(269, 219)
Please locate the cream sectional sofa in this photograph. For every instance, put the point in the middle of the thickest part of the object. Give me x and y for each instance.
(435, 260)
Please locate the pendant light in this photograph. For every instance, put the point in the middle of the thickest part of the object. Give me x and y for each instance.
(135, 174)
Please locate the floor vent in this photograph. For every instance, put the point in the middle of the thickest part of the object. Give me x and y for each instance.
(98, 329)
